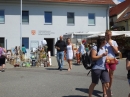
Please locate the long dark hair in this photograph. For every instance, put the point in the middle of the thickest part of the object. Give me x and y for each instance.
(67, 40)
(99, 42)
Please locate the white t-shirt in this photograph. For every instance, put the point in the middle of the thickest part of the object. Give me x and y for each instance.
(43, 42)
(110, 50)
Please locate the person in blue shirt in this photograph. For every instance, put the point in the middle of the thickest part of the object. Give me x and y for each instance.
(112, 48)
(99, 70)
(81, 51)
(82, 48)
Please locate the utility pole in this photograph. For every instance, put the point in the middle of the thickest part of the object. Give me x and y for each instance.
(21, 25)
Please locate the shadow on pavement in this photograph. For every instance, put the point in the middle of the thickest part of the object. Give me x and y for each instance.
(54, 69)
(95, 92)
(73, 96)
(77, 64)
(51, 68)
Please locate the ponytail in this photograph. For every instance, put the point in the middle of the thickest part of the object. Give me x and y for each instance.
(99, 42)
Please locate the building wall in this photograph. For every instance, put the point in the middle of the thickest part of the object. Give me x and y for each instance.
(11, 29)
(124, 23)
(129, 25)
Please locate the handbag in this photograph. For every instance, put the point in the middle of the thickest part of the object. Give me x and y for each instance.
(112, 61)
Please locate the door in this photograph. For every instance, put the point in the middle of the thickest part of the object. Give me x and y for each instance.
(50, 44)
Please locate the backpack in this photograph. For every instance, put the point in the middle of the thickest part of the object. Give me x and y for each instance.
(87, 61)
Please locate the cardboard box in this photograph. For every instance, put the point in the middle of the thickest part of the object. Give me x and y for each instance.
(13, 61)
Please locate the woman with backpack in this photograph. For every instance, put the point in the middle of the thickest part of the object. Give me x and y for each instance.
(99, 71)
(2, 58)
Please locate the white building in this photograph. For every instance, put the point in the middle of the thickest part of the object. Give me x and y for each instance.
(50, 19)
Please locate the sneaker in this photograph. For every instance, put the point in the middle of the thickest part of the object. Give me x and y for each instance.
(3, 70)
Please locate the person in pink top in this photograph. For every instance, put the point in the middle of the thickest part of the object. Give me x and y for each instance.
(2, 59)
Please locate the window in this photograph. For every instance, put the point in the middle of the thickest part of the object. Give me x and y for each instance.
(48, 17)
(25, 42)
(128, 13)
(2, 17)
(91, 19)
(2, 42)
(70, 18)
(25, 17)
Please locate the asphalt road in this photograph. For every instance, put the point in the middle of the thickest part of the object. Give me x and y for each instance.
(49, 82)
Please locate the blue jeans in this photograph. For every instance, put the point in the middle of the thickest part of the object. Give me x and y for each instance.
(60, 59)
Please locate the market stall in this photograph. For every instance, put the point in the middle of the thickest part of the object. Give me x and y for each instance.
(77, 37)
(122, 38)
(38, 57)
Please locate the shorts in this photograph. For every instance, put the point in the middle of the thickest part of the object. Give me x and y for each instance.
(100, 74)
(111, 66)
(129, 81)
(2, 61)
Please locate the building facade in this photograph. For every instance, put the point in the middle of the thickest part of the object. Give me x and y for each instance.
(120, 16)
(48, 20)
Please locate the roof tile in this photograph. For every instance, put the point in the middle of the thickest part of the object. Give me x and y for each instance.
(125, 15)
(119, 8)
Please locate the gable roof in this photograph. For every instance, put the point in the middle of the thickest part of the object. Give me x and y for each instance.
(119, 8)
(125, 15)
(82, 1)
(110, 2)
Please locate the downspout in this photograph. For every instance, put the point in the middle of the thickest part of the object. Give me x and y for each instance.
(107, 18)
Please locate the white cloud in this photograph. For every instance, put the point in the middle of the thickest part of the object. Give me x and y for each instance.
(117, 1)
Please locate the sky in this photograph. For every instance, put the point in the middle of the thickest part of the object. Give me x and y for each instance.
(118, 1)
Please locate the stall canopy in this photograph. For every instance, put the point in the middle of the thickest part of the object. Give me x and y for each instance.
(114, 33)
(79, 34)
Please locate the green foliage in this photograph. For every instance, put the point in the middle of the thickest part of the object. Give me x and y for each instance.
(44, 56)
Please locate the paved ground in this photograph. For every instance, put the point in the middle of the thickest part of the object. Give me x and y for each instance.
(49, 82)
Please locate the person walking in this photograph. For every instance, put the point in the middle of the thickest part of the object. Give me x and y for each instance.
(99, 70)
(82, 47)
(111, 62)
(69, 51)
(2, 59)
(60, 46)
(81, 51)
(128, 68)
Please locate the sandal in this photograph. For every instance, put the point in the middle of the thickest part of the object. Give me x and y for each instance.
(69, 69)
(104, 95)
(111, 93)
